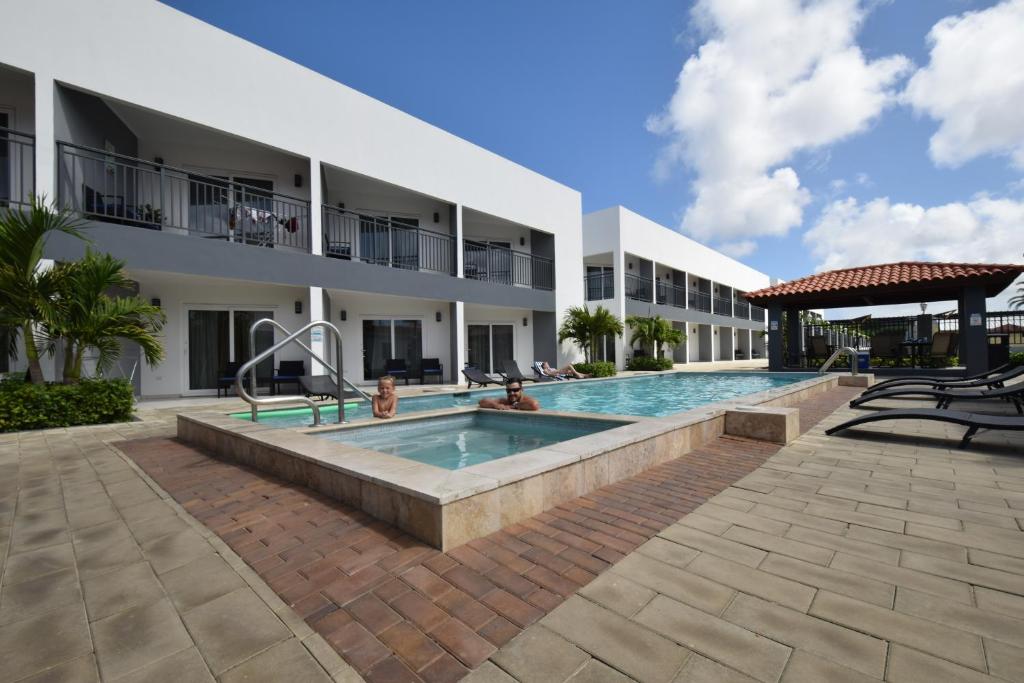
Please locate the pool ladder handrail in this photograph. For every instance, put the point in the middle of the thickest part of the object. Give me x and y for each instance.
(250, 366)
(849, 351)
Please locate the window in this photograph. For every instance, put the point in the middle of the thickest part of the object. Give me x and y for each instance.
(217, 337)
(490, 345)
(387, 339)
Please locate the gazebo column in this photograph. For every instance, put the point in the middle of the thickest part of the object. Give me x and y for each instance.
(793, 336)
(775, 337)
(973, 340)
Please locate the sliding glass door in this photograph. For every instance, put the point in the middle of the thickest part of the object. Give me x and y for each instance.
(490, 344)
(219, 337)
(387, 339)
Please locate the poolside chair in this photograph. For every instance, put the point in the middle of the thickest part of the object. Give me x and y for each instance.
(817, 350)
(288, 372)
(545, 377)
(886, 345)
(397, 368)
(226, 379)
(985, 379)
(477, 376)
(510, 371)
(321, 386)
(1013, 393)
(431, 367)
(943, 347)
(973, 421)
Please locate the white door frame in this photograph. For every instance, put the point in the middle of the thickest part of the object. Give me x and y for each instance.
(230, 308)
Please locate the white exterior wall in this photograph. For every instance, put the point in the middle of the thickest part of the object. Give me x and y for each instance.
(522, 336)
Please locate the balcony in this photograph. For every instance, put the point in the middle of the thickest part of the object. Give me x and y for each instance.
(757, 313)
(700, 301)
(741, 309)
(506, 266)
(671, 295)
(386, 242)
(124, 190)
(599, 286)
(17, 167)
(723, 306)
(639, 288)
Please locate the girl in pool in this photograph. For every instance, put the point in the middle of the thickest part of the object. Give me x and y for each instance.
(385, 401)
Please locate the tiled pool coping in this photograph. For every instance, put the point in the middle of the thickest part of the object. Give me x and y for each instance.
(447, 508)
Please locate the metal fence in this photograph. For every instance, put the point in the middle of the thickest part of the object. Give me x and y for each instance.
(17, 167)
(700, 301)
(386, 242)
(723, 306)
(483, 261)
(639, 288)
(116, 188)
(757, 313)
(599, 286)
(671, 295)
(741, 309)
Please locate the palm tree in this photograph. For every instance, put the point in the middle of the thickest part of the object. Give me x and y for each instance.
(585, 328)
(86, 316)
(651, 333)
(1018, 300)
(28, 292)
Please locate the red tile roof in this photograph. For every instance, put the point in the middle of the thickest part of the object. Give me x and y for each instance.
(905, 275)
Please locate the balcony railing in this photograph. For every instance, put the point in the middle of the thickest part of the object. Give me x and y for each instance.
(482, 261)
(757, 313)
(17, 167)
(639, 288)
(670, 295)
(386, 242)
(116, 188)
(723, 306)
(599, 286)
(741, 309)
(700, 301)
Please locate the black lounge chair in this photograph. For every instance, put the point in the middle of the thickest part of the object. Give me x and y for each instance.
(990, 378)
(431, 367)
(288, 372)
(321, 386)
(477, 376)
(397, 368)
(544, 377)
(510, 371)
(973, 421)
(226, 380)
(1013, 393)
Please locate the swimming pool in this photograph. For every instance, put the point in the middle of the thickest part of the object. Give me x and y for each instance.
(644, 396)
(459, 441)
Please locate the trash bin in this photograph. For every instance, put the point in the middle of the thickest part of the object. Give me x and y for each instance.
(998, 349)
(863, 360)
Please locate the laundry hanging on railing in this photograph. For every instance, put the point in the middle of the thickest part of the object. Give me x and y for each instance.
(261, 217)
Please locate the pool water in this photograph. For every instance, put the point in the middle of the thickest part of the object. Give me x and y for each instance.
(645, 396)
(463, 440)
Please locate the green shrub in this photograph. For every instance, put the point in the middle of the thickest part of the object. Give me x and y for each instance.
(596, 369)
(1017, 358)
(649, 363)
(39, 406)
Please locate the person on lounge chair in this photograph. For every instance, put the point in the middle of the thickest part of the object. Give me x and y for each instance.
(515, 399)
(385, 401)
(567, 371)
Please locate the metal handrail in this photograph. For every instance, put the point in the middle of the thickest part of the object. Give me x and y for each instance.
(21, 161)
(277, 400)
(330, 368)
(849, 351)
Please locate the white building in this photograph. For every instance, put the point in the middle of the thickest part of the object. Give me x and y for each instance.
(636, 267)
(239, 185)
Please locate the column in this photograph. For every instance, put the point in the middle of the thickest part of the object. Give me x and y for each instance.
(46, 147)
(793, 336)
(619, 304)
(316, 213)
(319, 338)
(457, 318)
(973, 340)
(775, 337)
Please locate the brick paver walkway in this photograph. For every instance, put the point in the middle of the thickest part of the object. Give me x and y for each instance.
(399, 610)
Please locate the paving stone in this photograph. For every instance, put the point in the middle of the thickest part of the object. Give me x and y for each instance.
(744, 519)
(780, 545)
(286, 661)
(718, 639)
(411, 645)
(996, 601)
(668, 552)
(984, 558)
(200, 581)
(830, 526)
(978, 576)
(174, 550)
(617, 593)
(488, 673)
(916, 544)
(1004, 661)
(154, 528)
(96, 558)
(849, 546)
(699, 669)
(596, 672)
(906, 664)
(706, 524)
(801, 632)
(537, 655)
(769, 586)
(109, 593)
(804, 667)
(906, 575)
(31, 598)
(32, 645)
(80, 670)
(138, 637)
(978, 536)
(619, 642)
(965, 618)
(37, 563)
(678, 583)
(186, 666)
(730, 550)
(101, 533)
(458, 639)
(844, 583)
(900, 628)
(215, 627)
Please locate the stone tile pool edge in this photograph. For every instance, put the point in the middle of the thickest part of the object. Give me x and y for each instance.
(447, 508)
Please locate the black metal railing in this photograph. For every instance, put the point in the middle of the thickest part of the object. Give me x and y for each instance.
(757, 313)
(670, 295)
(386, 242)
(482, 261)
(116, 188)
(17, 167)
(599, 286)
(639, 288)
(700, 301)
(741, 309)
(723, 306)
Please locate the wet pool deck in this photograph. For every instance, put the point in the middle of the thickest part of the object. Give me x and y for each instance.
(833, 558)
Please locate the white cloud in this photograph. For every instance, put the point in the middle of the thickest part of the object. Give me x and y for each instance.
(974, 85)
(738, 249)
(774, 77)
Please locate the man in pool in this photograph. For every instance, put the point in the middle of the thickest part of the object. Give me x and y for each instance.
(385, 401)
(514, 399)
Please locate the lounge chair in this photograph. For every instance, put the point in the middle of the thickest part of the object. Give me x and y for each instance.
(886, 346)
(397, 368)
(510, 370)
(991, 381)
(288, 372)
(973, 421)
(477, 376)
(817, 350)
(939, 380)
(1013, 393)
(545, 377)
(226, 380)
(321, 386)
(943, 348)
(431, 367)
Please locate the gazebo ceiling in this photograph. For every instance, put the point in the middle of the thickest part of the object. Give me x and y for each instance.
(889, 283)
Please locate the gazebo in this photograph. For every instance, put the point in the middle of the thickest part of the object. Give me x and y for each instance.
(907, 282)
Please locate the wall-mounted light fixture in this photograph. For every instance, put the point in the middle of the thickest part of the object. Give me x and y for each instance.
(344, 315)
(298, 180)
(159, 161)
(526, 322)
(298, 307)
(522, 241)
(437, 217)
(630, 265)
(341, 205)
(437, 316)
(155, 301)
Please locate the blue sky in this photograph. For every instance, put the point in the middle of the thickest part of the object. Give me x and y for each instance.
(805, 135)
